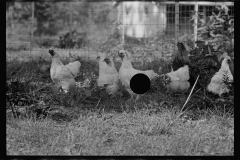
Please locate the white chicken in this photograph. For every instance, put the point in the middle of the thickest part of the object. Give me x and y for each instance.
(102, 68)
(60, 74)
(231, 64)
(126, 71)
(111, 76)
(179, 79)
(74, 67)
(108, 74)
(217, 85)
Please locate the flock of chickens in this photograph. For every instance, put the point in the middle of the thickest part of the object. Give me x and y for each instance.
(180, 78)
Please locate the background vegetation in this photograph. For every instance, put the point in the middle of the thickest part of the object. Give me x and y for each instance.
(87, 121)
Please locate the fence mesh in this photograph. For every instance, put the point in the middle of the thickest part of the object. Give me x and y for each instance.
(81, 28)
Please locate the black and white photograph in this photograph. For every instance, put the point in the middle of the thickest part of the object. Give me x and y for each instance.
(120, 78)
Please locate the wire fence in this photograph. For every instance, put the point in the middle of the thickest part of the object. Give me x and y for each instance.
(83, 34)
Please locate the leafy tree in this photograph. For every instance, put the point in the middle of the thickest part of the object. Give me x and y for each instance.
(43, 13)
(52, 17)
(20, 11)
(218, 31)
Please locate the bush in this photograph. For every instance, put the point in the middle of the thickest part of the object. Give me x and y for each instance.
(46, 41)
(218, 31)
(215, 37)
(77, 40)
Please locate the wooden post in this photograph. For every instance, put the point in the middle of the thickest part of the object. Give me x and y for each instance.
(176, 20)
(70, 30)
(144, 21)
(32, 26)
(71, 8)
(195, 21)
(89, 23)
(108, 19)
(123, 21)
(7, 26)
(204, 13)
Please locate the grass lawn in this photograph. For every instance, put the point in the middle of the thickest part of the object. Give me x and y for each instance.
(132, 133)
(113, 126)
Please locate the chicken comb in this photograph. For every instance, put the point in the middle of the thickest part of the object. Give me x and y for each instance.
(51, 51)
